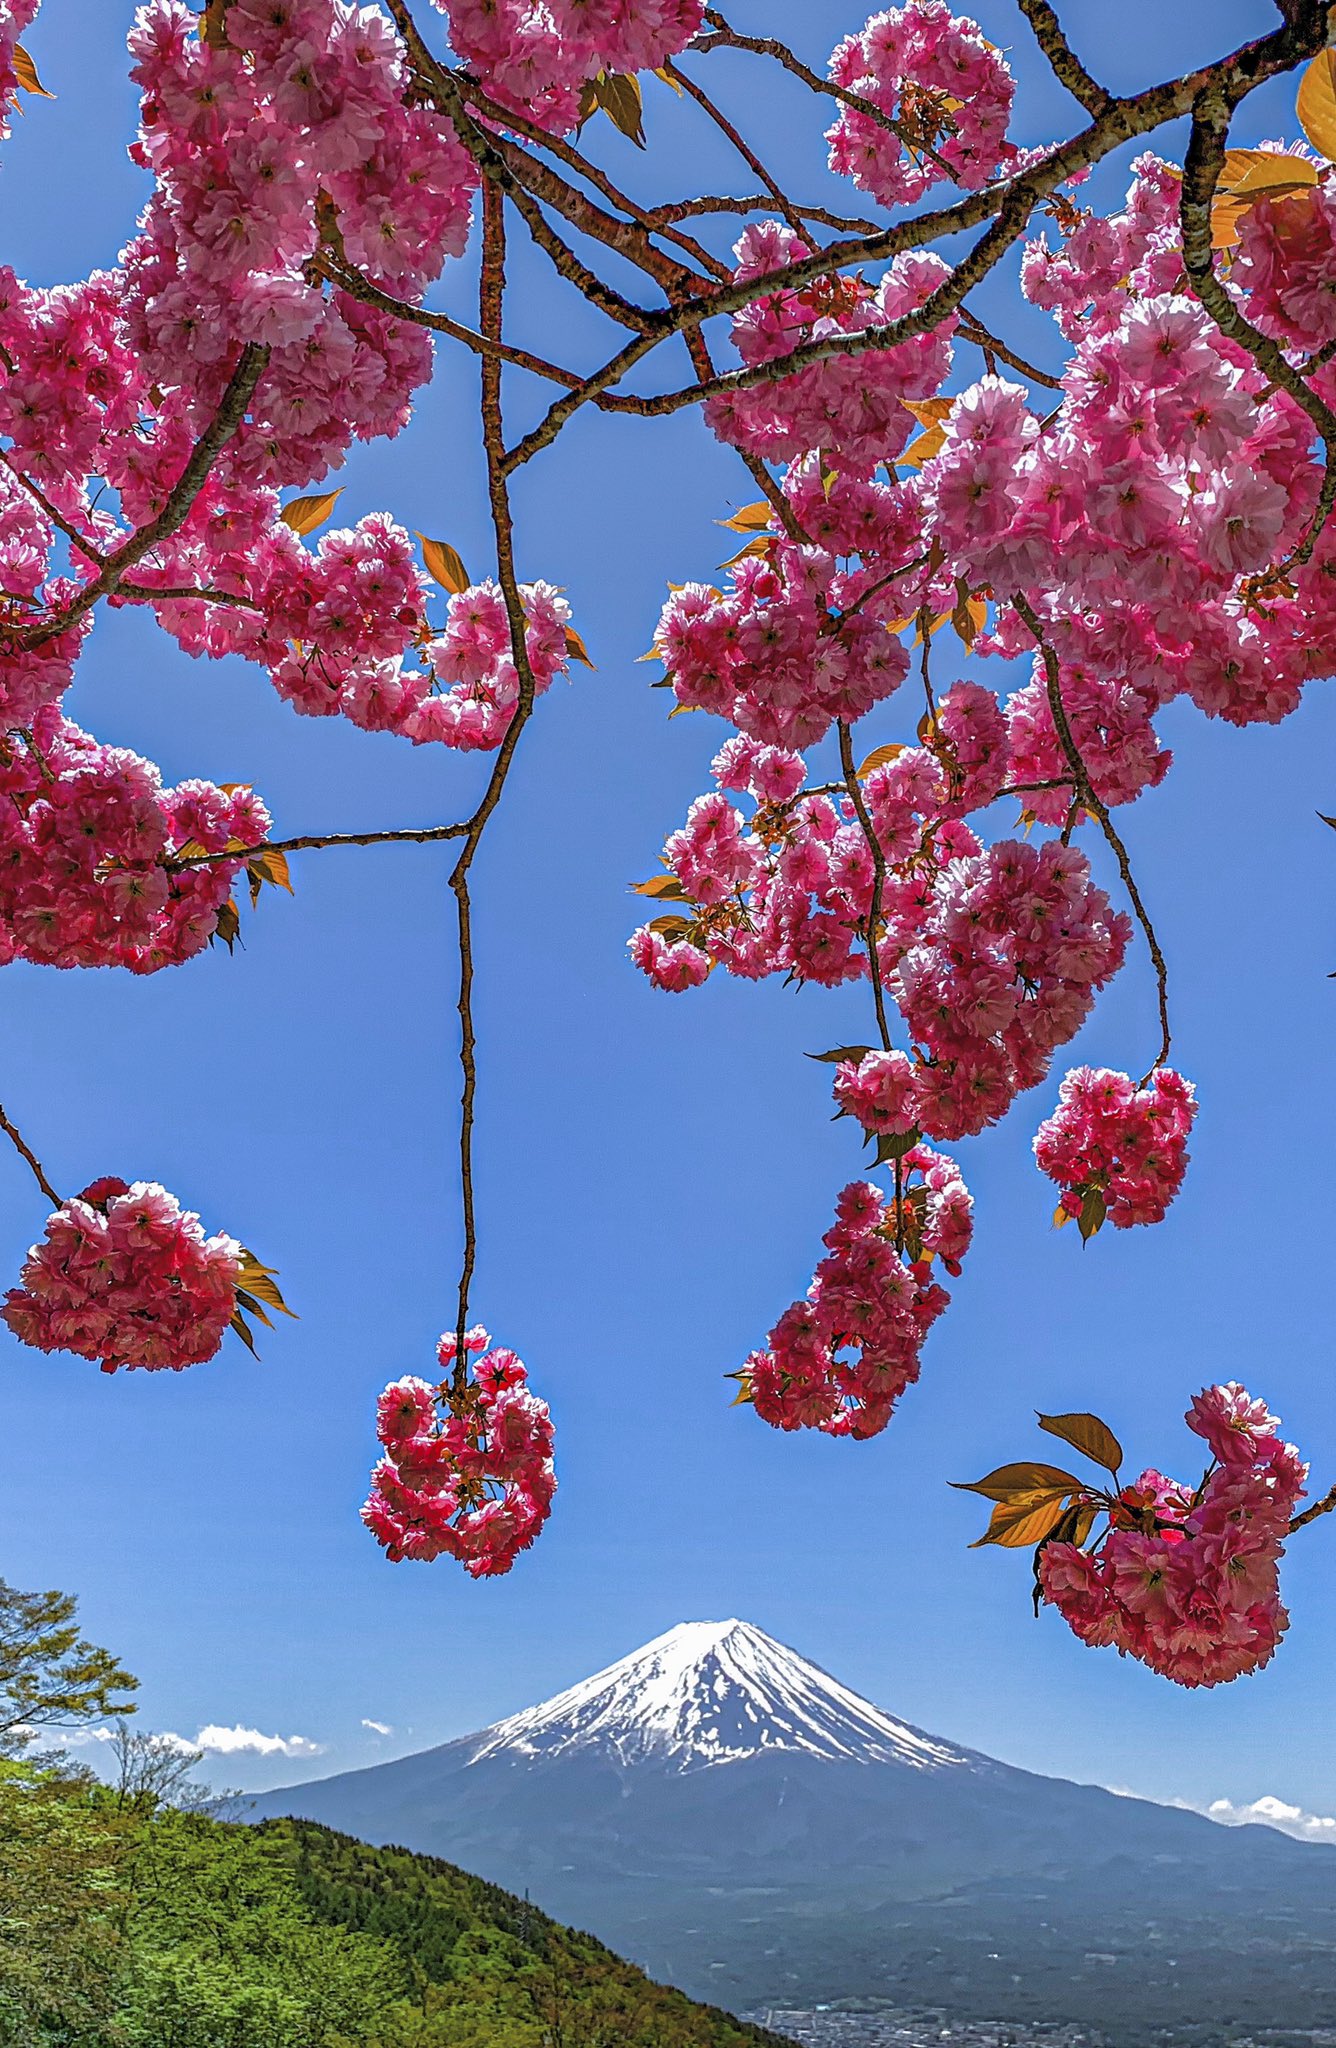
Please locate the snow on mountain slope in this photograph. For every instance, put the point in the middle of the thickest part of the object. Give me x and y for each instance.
(713, 1692)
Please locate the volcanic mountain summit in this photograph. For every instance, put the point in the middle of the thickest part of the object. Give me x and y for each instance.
(743, 1825)
(712, 1692)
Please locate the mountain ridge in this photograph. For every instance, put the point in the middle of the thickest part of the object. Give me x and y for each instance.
(743, 1825)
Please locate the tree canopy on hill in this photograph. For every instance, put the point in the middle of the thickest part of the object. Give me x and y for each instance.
(122, 1927)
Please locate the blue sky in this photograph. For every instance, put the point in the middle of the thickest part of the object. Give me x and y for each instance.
(654, 1173)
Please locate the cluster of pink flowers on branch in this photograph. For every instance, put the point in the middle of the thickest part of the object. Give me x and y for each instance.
(993, 954)
(1116, 1150)
(126, 1276)
(85, 832)
(852, 406)
(467, 1471)
(945, 87)
(1186, 1579)
(840, 1359)
(535, 55)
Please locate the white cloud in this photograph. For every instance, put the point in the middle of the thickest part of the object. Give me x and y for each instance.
(378, 1727)
(238, 1741)
(66, 1738)
(1275, 1813)
(1268, 1811)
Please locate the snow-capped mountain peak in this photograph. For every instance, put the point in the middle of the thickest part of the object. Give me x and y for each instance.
(713, 1692)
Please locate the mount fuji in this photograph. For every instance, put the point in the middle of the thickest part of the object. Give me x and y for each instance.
(743, 1825)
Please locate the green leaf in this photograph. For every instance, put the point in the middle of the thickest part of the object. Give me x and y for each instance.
(242, 1328)
(618, 93)
(1088, 1434)
(1094, 1209)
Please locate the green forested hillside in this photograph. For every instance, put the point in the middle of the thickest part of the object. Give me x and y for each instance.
(124, 1925)
(488, 1970)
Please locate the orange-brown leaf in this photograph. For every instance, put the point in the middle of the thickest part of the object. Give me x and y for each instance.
(444, 565)
(1009, 1482)
(878, 758)
(304, 515)
(755, 518)
(576, 648)
(1316, 104)
(1021, 1524)
(1086, 1433)
(26, 73)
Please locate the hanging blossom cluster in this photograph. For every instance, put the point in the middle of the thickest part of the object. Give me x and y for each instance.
(993, 953)
(535, 55)
(1186, 1579)
(839, 1360)
(1117, 1150)
(85, 832)
(126, 1276)
(467, 1471)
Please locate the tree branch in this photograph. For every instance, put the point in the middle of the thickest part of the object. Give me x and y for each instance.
(1319, 1507)
(874, 847)
(1065, 65)
(1098, 810)
(231, 411)
(416, 835)
(25, 1151)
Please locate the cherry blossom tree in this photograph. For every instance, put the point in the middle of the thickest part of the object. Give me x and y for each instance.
(1147, 519)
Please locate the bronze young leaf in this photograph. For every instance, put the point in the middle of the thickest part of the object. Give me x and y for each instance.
(304, 515)
(1087, 1433)
(1026, 1477)
(1249, 175)
(1316, 104)
(878, 758)
(660, 886)
(444, 565)
(25, 71)
(1020, 1524)
(755, 518)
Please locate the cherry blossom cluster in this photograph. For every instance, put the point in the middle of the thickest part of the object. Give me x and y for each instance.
(1115, 1149)
(849, 405)
(85, 832)
(467, 1471)
(944, 86)
(993, 954)
(289, 130)
(126, 1276)
(1186, 1579)
(840, 1359)
(534, 55)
